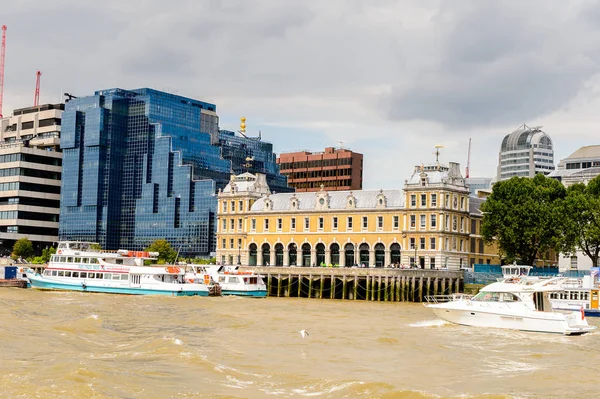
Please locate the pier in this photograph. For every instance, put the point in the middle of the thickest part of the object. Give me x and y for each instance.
(370, 284)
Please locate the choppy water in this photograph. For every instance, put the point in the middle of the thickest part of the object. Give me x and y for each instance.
(78, 345)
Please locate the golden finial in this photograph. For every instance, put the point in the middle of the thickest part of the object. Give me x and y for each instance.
(243, 125)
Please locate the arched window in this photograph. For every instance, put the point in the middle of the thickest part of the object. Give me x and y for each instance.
(349, 254)
(279, 254)
(335, 254)
(306, 254)
(252, 254)
(266, 253)
(379, 255)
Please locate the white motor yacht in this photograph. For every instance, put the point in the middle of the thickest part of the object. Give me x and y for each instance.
(517, 302)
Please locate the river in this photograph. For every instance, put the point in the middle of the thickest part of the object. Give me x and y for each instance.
(80, 345)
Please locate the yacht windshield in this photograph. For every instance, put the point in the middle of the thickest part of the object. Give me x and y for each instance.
(487, 296)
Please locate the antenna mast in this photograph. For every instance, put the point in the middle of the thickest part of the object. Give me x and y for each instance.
(36, 98)
(468, 161)
(2, 55)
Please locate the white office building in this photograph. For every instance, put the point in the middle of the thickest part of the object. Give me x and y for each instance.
(525, 152)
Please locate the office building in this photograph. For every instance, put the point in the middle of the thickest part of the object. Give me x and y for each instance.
(430, 224)
(580, 167)
(253, 155)
(140, 165)
(524, 153)
(143, 165)
(30, 176)
(334, 169)
(477, 184)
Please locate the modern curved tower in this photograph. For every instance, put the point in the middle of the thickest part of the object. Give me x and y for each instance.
(525, 152)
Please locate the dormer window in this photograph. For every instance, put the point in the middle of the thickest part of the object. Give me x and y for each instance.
(294, 202)
(350, 201)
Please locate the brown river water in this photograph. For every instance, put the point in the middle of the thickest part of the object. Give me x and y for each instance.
(79, 345)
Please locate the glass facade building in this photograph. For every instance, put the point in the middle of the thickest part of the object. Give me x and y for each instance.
(251, 154)
(141, 165)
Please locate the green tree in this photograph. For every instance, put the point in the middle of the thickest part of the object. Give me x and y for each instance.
(523, 216)
(581, 221)
(23, 248)
(47, 253)
(96, 247)
(166, 254)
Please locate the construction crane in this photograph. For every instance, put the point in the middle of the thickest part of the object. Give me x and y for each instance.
(468, 160)
(2, 55)
(36, 98)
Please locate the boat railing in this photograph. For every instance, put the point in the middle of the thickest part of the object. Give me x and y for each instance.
(447, 298)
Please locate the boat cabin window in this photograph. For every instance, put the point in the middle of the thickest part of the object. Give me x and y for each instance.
(47, 272)
(233, 279)
(116, 277)
(83, 274)
(124, 277)
(93, 260)
(77, 260)
(54, 273)
(61, 273)
(85, 260)
(69, 259)
(486, 296)
(107, 276)
(75, 274)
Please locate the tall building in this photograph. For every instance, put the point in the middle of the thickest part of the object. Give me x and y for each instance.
(525, 152)
(430, 224)
(579, 167)
(251, 154)
(140, 165)
(30, 176)
(334, 169)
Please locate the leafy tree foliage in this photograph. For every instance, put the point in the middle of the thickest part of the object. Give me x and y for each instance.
(47, 253)
(524, 217)
(96, 247)
(23, 248)
(581, 224)
(166, 254)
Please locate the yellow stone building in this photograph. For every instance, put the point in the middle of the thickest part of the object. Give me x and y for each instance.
(431, 223)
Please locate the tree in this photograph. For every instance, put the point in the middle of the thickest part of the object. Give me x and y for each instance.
(166, 254)
(47, 253)
(581, 221)
(523, 216)
(23, 248)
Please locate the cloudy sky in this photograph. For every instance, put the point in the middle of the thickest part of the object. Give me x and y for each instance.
(387, 78)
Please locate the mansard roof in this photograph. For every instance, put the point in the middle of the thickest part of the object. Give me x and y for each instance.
(338, 200)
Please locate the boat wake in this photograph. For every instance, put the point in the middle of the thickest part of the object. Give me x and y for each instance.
(429, 323)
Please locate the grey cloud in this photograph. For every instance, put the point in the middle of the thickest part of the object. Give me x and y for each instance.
(499, 63)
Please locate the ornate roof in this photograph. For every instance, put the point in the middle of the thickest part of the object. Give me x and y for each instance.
(363, 199)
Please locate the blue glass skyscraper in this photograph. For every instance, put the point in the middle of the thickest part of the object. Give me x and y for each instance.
(251, 154)
(139, 165)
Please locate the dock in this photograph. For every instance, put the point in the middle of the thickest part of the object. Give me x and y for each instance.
(13, 283)
(370, 284)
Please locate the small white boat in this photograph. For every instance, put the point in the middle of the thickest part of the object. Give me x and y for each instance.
(517, 303)
(231, 280)
(78, 267)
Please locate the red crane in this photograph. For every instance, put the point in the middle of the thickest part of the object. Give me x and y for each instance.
(2, 54)
(468, 161)
(36, 98)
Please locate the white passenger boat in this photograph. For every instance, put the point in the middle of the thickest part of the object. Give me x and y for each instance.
(78, 267)
(518, 303)
(231, 280)
(579, 294)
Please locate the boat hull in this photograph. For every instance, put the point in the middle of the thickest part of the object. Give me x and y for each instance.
(249, 293)
(469, 315)
(41, 283)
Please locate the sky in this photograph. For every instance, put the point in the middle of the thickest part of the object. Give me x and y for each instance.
(390, 79)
